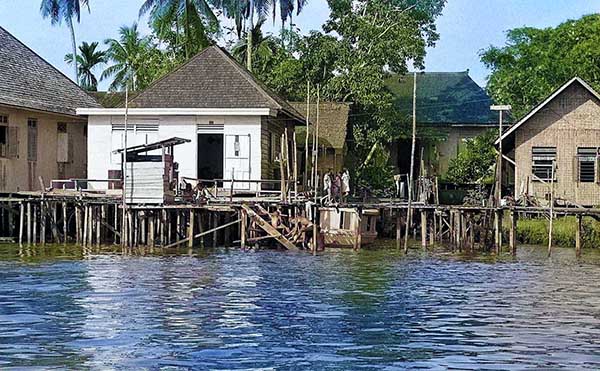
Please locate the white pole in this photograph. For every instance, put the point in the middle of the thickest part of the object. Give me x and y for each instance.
(316, 144)
(412, 163)
(124, 166)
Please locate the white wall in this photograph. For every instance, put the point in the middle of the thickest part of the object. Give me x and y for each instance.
(100, 141)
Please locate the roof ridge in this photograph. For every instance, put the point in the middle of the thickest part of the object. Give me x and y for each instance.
(46, 62)
(181, 66)
(549, 98)
(248, 76)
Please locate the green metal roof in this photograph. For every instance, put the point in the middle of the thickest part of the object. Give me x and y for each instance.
(443, 98)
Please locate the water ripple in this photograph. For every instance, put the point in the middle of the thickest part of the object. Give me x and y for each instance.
(270, 310)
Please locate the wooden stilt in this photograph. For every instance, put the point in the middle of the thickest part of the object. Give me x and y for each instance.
(35, 224)
(65, 220)
(201, 227)
(243, 225)
(578, 232)
(151, 231)
(423, 228)
(191, 229)
(512, 239)
(498, 231)
(398, 229)
(29, 224)
(21, 222)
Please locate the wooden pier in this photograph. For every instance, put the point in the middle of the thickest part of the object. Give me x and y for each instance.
(88, 220)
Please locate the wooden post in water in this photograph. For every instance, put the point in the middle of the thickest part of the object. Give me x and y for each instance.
(35, 224)
(578, 236)
(151, 230)
(214, 222)
(191, 229)
(29, 221)
(243, 224)
(423, 228)
(551, 210)
(21, 222)
(412, 163)
(513, 232)
(498, 231)
(65, 222)
(398, 228)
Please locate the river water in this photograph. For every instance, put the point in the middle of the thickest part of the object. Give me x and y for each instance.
(228, 309)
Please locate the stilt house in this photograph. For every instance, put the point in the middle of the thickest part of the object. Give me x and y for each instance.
(40, 133)
(234, 123)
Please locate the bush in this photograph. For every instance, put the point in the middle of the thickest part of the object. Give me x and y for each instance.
(535, 232)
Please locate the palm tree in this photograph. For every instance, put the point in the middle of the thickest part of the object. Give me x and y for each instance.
(245, 9)
(88, 59)
(64, 11)
(192, 15)
(263, 47)
(128, 54)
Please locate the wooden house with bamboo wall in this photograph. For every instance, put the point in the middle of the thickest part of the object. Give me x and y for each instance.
(40, 133)
(562, 132)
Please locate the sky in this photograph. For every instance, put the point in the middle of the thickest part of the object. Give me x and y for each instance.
(466, 27)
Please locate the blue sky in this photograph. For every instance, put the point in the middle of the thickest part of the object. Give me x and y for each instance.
(466, 26)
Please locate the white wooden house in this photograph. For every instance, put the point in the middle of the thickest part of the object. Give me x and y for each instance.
(234, 123)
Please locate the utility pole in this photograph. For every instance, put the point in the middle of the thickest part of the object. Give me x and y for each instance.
(124, 231)
(412, 164)
(500, 109)
(306, 182)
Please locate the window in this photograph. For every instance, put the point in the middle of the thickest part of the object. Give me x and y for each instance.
(3, 136)
(586, 158)
(236, 146)
(32, 139)
(542, 161)
(62, 143)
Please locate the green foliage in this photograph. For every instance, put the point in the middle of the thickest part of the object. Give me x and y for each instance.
(375, 172)
(137, 60)
(88, 59)
(474, 163)
(534, 62)
(535, 232)
(350, 60)
(186, 26)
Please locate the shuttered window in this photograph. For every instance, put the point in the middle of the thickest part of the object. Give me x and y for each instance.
(32, 139)
(3, 136)
(542, 160)
(586, 159)
(13, 141)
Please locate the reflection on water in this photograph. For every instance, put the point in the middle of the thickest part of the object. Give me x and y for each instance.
(228, 309)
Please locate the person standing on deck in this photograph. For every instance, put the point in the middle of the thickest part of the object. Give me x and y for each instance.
(345, 185)
(327, 183)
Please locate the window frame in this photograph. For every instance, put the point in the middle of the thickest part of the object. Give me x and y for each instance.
(4, 123)
(32, 146)
(542, 155)
(588, 156)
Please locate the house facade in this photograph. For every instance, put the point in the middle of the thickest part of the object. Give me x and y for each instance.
(234, 123)
(40, 133)
(451, 108)
(564, 130)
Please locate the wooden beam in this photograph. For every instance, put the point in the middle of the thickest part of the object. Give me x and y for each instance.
(270, 229)
(203, 233)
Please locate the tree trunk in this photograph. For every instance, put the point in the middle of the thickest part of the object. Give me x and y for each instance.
(249, 29)
(74, 45)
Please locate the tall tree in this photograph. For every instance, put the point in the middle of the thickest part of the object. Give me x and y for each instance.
(195, 17)
(88, 59)
(264, 47)
(244, 12)
(129, 54)
(60, 11)
(534, 61)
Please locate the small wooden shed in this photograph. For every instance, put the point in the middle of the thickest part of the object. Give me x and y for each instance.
(151, 173)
